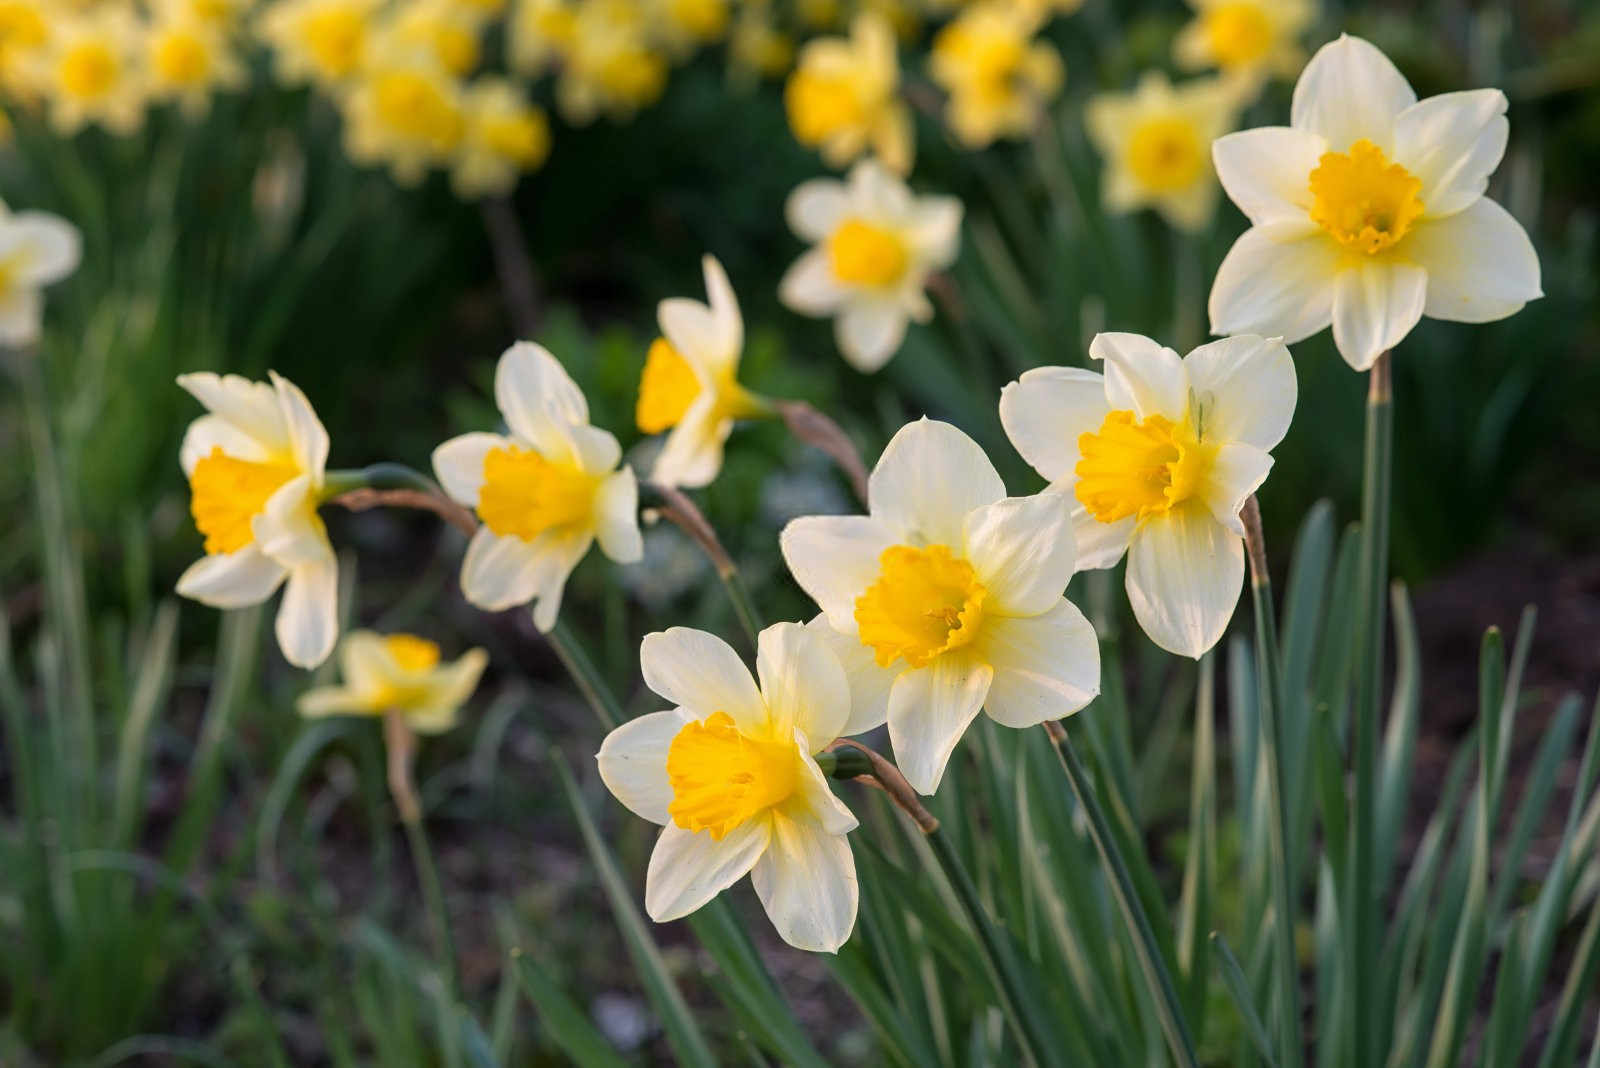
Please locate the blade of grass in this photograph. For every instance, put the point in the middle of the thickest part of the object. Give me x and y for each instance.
(563, 1021)
(1238, 989)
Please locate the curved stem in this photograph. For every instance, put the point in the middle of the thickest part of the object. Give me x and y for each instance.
(394, 485)
(811, 426)
(401, 743)
(570, 651)
(675, 506)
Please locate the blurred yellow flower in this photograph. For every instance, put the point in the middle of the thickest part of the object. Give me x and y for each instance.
(684, 25)
(218, 13)
(611, 66)
(1247, 39)
(505, 137)
(24, 32)
(539, 33)
(324, 42)
(998, 78)
(1156, 142)
(186, 60)
(90, 73)
(405, 113)
(397, 673)
(841, 99)
(757, 46)
(441, 29)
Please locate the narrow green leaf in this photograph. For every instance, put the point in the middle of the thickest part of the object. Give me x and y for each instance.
(1238, 988)
(1200, 866)
(566, 1024)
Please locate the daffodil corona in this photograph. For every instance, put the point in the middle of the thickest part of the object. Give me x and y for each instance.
(1157, 457)
(946, 599)
(730, 774)
(1368, 211)
(399, 673)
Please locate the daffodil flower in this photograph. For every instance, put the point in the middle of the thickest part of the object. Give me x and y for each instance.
(399, 673)
(841, 97)
(1368, 211)
(1248, 40)
(187, 58)
(255, 466)
(999, 79)
(505, 137)
(946, 599)
(690, 386)
(1157, 456)
(404, 111)
(875, 246)
(36, 250)
(323, 42)
(730, 774)
(90, 71)
(544, 492)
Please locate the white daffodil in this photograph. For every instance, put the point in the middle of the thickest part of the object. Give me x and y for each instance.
(36, 250)
(690, 386)
(255, 467)
(1157, 457)
(947, 598)
(731, 776)
(545, 492)
(875, 246)
(397, 673)
(1368, 211)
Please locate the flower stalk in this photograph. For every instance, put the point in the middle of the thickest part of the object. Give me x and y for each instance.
(675, 506)
(400, 743)
(812, 427)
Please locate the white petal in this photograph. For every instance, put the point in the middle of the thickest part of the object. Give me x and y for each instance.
(702, 673)
(1246, 387)
(1453, 142)
(936, 230)
(365, 662)
(1099, 544)
(1375, 305)
(1142, 376)
(725, 318)
(834, 558)
(869, 332)
(929, 477)
(499, 572)
(1276, 281)
(1046, 410)
(595, 451)
(1023, 551)
(1236, 473)
(616, 508)
(232, 580)
(692, 455)
(815, 800)
(1184, 575)
(214, 432)
(560, 555)
(869, 684)
(537, 396)
(1045, 667)
(21, 316)
(802, 683)
(807, 882)
(1481, 265)
(54, 247)
(308, 618)
(458, 464)
(816, 207)
(250, 406)
(1350, 91)
(308, 438)
(332, 701)
(810, 288)
(288, 529)
(929, 710)
(1267, 171)
(689, 868)
(633, 763)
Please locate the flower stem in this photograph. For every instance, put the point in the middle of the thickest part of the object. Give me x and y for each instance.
(1279, 845)
(394, 485)
(814, 428)
(676, 506)
(1154, 969)
(401, 744)
(570, 651)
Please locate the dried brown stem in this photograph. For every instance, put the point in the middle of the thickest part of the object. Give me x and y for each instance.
(519, 282)
(676, 507)
(812, 427)
(1380, 388)
(886, 777)
(360, 500)
(1255, 542)
(401, 743)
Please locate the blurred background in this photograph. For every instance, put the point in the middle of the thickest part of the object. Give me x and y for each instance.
(240, 873)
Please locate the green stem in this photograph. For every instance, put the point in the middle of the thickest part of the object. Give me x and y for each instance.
(383, 476)
(1362, 891)
(1152, 967)
(743, 606)
(433, 896)
(573, 657)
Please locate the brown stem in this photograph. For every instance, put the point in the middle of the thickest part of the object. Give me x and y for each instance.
(1255, 542)
(519, 282)
(886, 777)
(1380, 389)
(809, 425)
(401, 743)
(676, 506)
(360, 500)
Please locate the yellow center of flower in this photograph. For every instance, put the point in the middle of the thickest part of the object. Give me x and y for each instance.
(412, 653)
(335, 37)
(720, 778)
(1363, 200)
(180, 58)
(926, 602)
(1239, 33)
(456, 48)
(862, 254)
(1166, 154)
(413, 105)
(521, 138)
(820, 105)
(89, 70)
(524, 494)
(21, 26)
(666, 389)
(1139, 468)
(226, 493)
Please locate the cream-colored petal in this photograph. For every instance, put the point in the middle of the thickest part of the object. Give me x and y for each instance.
(232, 580)
(1375, 305)
(250, 406)
(334, 701)
(288, 528)
(1023, 551)
(365, 663)
(802, 683)
(451, 686)
(929, 477)
(1266, 171)
(692, 454)
(1237, 471)
(1246, 389)
(1046, 410)
(814, 799)
(936, 230)
(1142, 376)
(869, 332)
(500, 572)
(1453, 142)
(1045, 667)
(308, 619)
(458, 464)
(1350, 91)
(816, 207)
(930, 709)
(691, 328)
(806, 880)
(633, 763)
(1185, 572)
(869, 684)
(726, 320)
(537, 397)
(1100, 545)
(1276, 282)
(834, 558)
(214, 432)
(561, 554)
(809, 287)
(702, 673)
(616, 508)
(54, 247)
(689, 868)
(1481, 265)
(21, 317)
(308, 438)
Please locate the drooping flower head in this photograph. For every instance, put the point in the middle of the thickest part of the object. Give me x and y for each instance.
(37, 249)
(255, 466)
(1248, 40)
(397, 673)
(730, 775)
(1156, 458)
(1368, 211)
(947, 598)
(841, 98)
(999, 78)
(875, 244)
(545, 491)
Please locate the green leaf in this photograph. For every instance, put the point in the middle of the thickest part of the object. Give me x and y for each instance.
(566, 1024)
(1238, 988)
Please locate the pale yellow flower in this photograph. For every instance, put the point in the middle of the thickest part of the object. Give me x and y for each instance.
(221, 14)
(841, 98)
(89, 72)
(684, 25)
(399, 673)
(36, 250)
(757, 46)
(186, 60)
(611, 66)
(440, 30)
(506, 136)
(405, 113)
(539, 33)
(1250, 40)
(323, 42)
(24, 33)
(999, 79)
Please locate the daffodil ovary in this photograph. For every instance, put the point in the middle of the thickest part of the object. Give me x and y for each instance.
(1166, 153)
(227, 493)
(1363, 201)
(1144, 468)
(524, 494)
(721, 777)
(864, 254)
(1239, 33)
(925, 603)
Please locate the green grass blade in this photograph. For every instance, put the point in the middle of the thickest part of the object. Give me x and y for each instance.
(1238, 989)
(1200, 866)
(563, 1021)
(152, 683)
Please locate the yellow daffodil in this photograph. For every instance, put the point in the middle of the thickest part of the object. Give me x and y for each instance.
(946, 599)
(441, 30)
(90, 71)
(36, 250)
(1368, 211)
(1248, 40)
(730, 774)
(1157, 457)
(405, 112)
(841, 97)
(544, 492)
(1156, 142)
(187, 59)
(756, 46)
(690, 386)
(999, 79)
(505, 137)
(219, 14)
(24, 33)
(255, 466)
(611, 66)
(684, 25)
(398, 673)
(540, 32)
(875, 246)
(323, 42)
